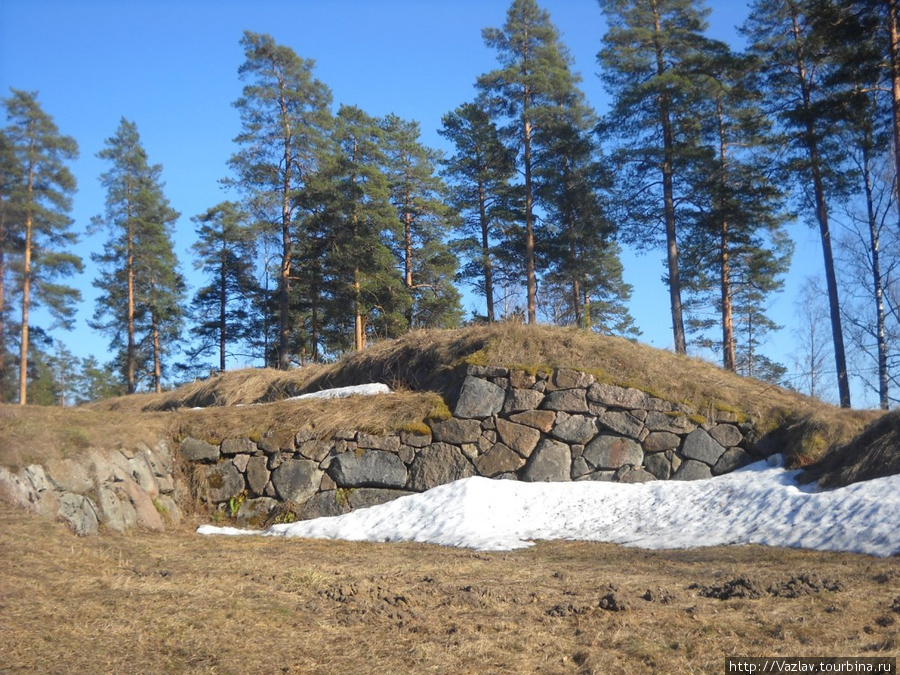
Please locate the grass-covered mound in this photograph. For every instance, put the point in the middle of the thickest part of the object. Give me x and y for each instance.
(423, 368)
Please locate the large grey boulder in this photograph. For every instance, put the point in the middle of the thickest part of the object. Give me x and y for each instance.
(731, 459)
(257, 475)
(701, 446)
(438, 464)
(579, 429)
(195, 450)
(224, 481)
(518, 400)
(254, 512)
(366, 497)
(726, 435)
(567, 400)
(658, 465)
(618, 397)
(368, 468)
(326, 504)
(456, 431)
(479, 399)
(116, 514)
(389, 443)
(499, 459)
(296, 480)
(68, 475)
(237, 446)
(623, 423)
(660, 441)
(691, 469)
(612, 452)
(78, 511)
(551, 461)
(518, 437)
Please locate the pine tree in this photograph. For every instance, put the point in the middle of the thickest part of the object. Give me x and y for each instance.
(579, 242)
(793, 68)
(224, 308)
(141, 289)
(534, 75)
(39, 197)
(738, 246)
(647, 60)
(424, 219)
(480, 172)
(284, 114)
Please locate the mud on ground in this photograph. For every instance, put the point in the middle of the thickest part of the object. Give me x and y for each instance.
(179, 602)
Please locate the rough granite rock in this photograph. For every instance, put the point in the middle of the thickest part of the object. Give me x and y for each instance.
(325, 504)
(296, 480)
(195, 450)
(726, 435)
(237, 446)
(116, 514)
(700, 445)
(363, 498)
(518, 400)
(518, 437)
(479, 399)
(660, 441)
(578, 429)
(438, 464)
(388, 443)
(565, 378)
(456, 431)
(567, 400)
(691, 469)
(612, 452)
(499, 459)
(542, 420)
(551, 461)
(253, 512)
(622, 423)
(731, 459)
(368, 468)
(78, 511)
(658, 465)
(257, 475)
(617, 397)
(224, 481)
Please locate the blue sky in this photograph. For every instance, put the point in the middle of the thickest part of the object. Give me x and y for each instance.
(171, 67)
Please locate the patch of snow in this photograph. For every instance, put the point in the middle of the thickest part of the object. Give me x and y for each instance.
(372, 389)
(760, 504)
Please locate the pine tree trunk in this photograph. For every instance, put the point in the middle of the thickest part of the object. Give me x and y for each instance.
(485, 253)
(824, 229)
(531, 282)
(223, 298)
(129, 272)
(26, 299)
(26, 280)
(284, 279)
(728, 356)
(669, 198)
(2, 319)
(157, 356)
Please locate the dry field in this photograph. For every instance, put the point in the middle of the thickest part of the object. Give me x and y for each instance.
(179, 602)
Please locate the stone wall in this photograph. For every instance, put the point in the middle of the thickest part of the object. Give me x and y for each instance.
(506, 424)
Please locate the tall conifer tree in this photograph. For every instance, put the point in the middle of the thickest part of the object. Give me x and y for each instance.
(140, 286)
(647, 58)
(480, 172)
(35, 214)
(534, 75)
(792, 59)
(284, 114)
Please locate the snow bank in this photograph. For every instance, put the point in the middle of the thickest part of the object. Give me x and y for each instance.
(761, 504)
(343, 392)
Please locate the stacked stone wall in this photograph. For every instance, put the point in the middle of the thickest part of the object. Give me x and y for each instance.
(506, 424)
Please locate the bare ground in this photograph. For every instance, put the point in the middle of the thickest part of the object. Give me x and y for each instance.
(179, 602)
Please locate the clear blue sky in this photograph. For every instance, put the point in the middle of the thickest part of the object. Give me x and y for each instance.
(170, 66)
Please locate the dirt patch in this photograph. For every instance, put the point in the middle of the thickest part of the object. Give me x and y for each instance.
(179, 602)
(752, 588)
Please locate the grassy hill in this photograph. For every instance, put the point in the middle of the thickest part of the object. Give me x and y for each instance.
(424, 367)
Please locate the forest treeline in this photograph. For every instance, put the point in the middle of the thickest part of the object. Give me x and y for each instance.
(343, 228)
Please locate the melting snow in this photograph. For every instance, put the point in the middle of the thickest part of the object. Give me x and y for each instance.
(760, 504)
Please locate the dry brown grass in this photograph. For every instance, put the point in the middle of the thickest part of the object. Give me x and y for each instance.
(431, 361)
(178, 602)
